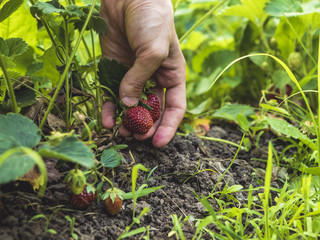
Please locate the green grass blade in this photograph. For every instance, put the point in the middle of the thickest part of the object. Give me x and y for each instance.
(267, 184)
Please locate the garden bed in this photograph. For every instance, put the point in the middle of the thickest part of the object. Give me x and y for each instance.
(188, 165)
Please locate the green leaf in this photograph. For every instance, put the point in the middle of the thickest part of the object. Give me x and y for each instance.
(143, 192)
(49, 70)
(278, 8)
(201, 107)
(286, 128)
(16, 165)
(8, 8)
(111, 73)
(311, 170)
(275, 109)
(3, 88)
(251, 9)
(17, 130)
(19, 24)
(51, 7)
(110, 158)
(25, 97)
(97, 23)
(231, 111)
(16, 46)
(12, 47)
(69, 149)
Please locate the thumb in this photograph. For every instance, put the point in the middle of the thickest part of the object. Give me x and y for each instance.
(133, 82)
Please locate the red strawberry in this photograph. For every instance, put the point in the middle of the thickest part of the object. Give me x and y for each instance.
(83, 199)
(138, 120)
(113, 200)
(154, 103)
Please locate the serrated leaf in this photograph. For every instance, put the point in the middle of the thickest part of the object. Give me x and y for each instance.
(111, 73)
(110, 158)
(51, 7)
(8, 8)
(97, 23)
(17, 130)
(3, 47)
(286, 128)
(16, 46)
(69, 149)
(278, 8)
(21, 23)
(15, 166)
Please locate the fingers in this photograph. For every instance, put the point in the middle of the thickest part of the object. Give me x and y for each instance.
(107, 115)
(143, 68)
(175, 107)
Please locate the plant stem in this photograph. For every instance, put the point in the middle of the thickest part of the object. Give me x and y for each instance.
(204, 17)
(68, 64)
(98, 87)
(86, 47)
(14, 104)
(263, 36)
(67, 76)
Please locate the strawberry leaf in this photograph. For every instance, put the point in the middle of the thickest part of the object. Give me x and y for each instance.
(16, 165)
(16, 131)
(9, 8)
(52, 7)
(96, 23)
(110, 74)
(69, 149)
(110, 158)
(12, 47)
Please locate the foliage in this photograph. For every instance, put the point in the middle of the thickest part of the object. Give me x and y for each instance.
(252, 63)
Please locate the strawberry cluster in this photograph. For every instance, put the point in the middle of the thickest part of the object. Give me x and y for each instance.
(139, 119)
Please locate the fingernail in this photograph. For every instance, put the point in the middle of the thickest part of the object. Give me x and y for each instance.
(130, 101)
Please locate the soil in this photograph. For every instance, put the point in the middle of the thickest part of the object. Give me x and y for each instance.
(186, 167)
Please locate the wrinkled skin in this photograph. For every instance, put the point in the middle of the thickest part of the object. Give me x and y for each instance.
(141, 34)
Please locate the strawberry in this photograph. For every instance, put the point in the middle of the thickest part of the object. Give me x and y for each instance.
(138, 120)
(153, 101)
(113, 200)
(83, 199)
(76, 181)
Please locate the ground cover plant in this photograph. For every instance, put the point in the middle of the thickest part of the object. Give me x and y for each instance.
(244, 164)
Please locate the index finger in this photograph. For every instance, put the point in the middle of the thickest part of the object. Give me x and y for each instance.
(175, 107)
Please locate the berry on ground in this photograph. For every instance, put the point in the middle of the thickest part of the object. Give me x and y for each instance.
(83, 199)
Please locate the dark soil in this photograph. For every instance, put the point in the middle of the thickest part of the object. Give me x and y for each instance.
(179, 168)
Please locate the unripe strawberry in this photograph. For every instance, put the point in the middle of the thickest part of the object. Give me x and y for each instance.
(138, 120)
(76, 181)
(83, 199)
(154, 103)
(295, 60)
(113, 200)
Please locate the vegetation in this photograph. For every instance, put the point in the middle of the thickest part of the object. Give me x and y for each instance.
(251, 62)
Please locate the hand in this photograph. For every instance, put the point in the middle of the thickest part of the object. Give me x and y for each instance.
(141, 34)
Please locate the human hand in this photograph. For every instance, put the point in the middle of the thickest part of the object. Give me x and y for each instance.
(141, 34)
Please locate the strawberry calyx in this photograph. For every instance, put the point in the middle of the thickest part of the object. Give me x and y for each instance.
(113, 193)
(76, 181)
